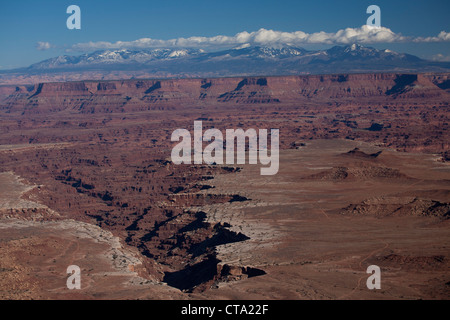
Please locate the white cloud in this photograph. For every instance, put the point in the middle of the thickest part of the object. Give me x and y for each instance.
(364, 35)
(440, 58)
(441, 37)
(43, 46)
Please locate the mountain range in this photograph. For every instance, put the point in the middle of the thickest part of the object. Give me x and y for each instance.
(245, 60)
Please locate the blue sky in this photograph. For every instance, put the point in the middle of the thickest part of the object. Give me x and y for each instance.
(24, 23)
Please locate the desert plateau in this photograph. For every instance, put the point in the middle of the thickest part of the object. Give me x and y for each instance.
(86, 179)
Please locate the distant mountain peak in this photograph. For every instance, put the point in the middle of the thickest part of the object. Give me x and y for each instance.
(356, 47)
(275, 51)
(243, 59)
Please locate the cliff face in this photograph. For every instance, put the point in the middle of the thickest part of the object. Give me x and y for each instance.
(408, 111)
(140, 95)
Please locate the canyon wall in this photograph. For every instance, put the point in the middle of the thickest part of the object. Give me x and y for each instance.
(141, 95)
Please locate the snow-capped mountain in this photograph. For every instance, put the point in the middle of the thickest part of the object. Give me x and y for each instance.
(111, 57)
(242, 60)
(265, 52)
(356, 51)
